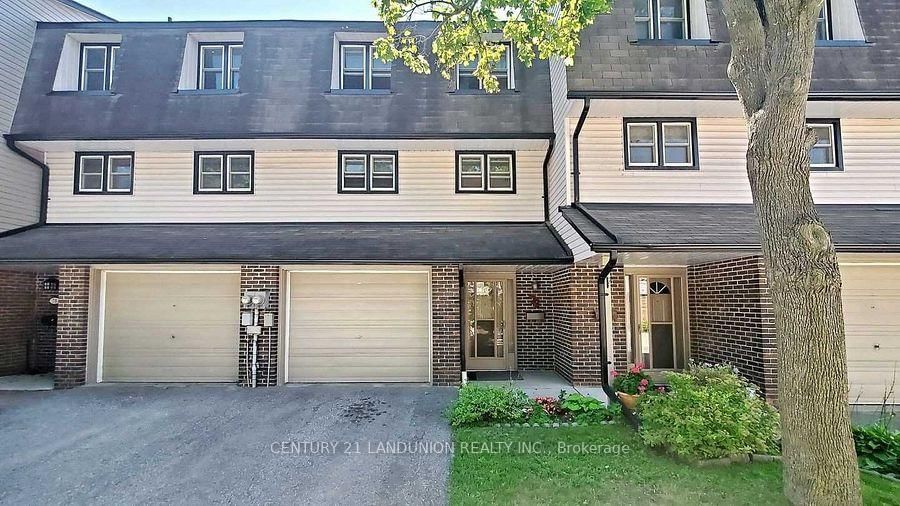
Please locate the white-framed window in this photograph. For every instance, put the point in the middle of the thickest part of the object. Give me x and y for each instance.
(485, 171)
(503, 71)
(826, 153)
(661, 19)
(223, 172)
(641, 143)
(98, 62)
(660, 143)
(367, 172)
(361, 70)
(823, 23)
(220, 65)
(104, 173)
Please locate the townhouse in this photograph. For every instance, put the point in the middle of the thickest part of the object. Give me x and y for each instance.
(264, 203)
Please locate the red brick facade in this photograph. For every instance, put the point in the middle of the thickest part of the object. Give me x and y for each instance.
(534, 338)
(445, 325)
(72, 326)
(261, 278)
(576, 329)
(17, 325)
(619, 334)
(731, 319)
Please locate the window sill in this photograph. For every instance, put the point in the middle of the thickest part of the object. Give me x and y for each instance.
(486, 192)
(483, 93)
(206, 92)
(83, 93)
(639, 168)
(370, 93)
(842, 43)
(826, 169)
(673, 42)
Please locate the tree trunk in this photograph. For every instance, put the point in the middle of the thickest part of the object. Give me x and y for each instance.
(772, 54)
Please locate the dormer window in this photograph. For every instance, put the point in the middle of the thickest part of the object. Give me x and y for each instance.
(661, 19)
(220, 66)
(465, 73)
(361, 70)
(823, 23)
(98, 61)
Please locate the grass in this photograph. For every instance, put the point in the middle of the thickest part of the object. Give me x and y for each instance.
(533, 471)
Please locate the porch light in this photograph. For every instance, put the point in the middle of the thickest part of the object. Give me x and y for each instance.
(50, 284)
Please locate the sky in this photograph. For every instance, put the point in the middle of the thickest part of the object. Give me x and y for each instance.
(188, 10)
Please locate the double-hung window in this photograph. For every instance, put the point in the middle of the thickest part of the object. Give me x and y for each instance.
(361, 70)
(367, 172)
(98, 63)
(660, 144)
(661, 19)
(826, 153)
(823, 23)
(485, 172)
(466, 79)
(223, 172)
(104, 173)
(220, 66)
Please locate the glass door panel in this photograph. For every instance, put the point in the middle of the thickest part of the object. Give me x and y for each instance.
(486, 324)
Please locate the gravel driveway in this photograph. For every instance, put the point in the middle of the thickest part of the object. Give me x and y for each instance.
(322, 444)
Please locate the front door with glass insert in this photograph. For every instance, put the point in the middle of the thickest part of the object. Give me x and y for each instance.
(657, 310)
(490, 335)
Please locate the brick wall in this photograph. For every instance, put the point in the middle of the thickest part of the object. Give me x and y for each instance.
(17, 329)
(261, 278)
(619, 335)
(731, 319)
(534, 338)
(576, 335)
(43, 352)
(72, 326)
(445, 325)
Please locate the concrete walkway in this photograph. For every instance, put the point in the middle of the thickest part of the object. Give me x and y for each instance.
(223, 444)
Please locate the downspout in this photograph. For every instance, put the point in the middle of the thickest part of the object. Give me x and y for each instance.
(552, 142)
(576, 169)
(45, 176)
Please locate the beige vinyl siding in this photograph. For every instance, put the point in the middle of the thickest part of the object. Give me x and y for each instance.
(20, 182)
(870, 150)
(871, 296)
(296, 186)
(358, 327)
(171, 327)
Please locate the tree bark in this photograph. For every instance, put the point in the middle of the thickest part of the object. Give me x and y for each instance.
(771, 66)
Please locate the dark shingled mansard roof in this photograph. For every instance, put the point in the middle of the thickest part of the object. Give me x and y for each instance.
(285, 91)
(610, 62)
(854, 227)
(508, 243)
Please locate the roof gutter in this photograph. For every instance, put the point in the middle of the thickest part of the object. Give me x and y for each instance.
(829, 96)
(576, 169)
(45, 175)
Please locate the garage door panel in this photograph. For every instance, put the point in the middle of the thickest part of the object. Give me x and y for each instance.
(871, 300)
(358, 327)
(143, 311)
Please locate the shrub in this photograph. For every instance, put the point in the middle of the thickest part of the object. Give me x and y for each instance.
(710, 412)
(479, 404)
(550, 405)
(586, 410)
(635, 381)
(878, 449)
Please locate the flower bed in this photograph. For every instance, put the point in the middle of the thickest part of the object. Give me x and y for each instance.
(480, 405)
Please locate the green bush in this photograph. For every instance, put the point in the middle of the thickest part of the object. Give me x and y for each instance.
(479, 404)
(586, 410)
(709, 412)
(878, 449)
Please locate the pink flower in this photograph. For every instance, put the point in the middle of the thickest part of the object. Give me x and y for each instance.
(636, 370)
(642, 389)
(645, 382)
(615, 373)
(661, 390)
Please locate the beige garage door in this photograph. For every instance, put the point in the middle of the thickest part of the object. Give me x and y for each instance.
(171, 327)
(872, 315)
(358, 327)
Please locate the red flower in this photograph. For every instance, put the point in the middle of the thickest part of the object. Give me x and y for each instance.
(645, 382)
(615, 373)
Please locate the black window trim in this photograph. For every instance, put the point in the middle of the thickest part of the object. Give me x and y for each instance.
(829, 26)
(368, 154)
(367, 68)
(654, 21)
(226, 62)
(108, 64)
(225, 172)
(835, 124)
(510, 73)
(695, 152)
(104, 186)
(485, 173)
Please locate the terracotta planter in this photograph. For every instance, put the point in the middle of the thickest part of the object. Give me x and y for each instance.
(628, 400)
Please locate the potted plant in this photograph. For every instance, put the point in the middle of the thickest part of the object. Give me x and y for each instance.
(631, 384)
